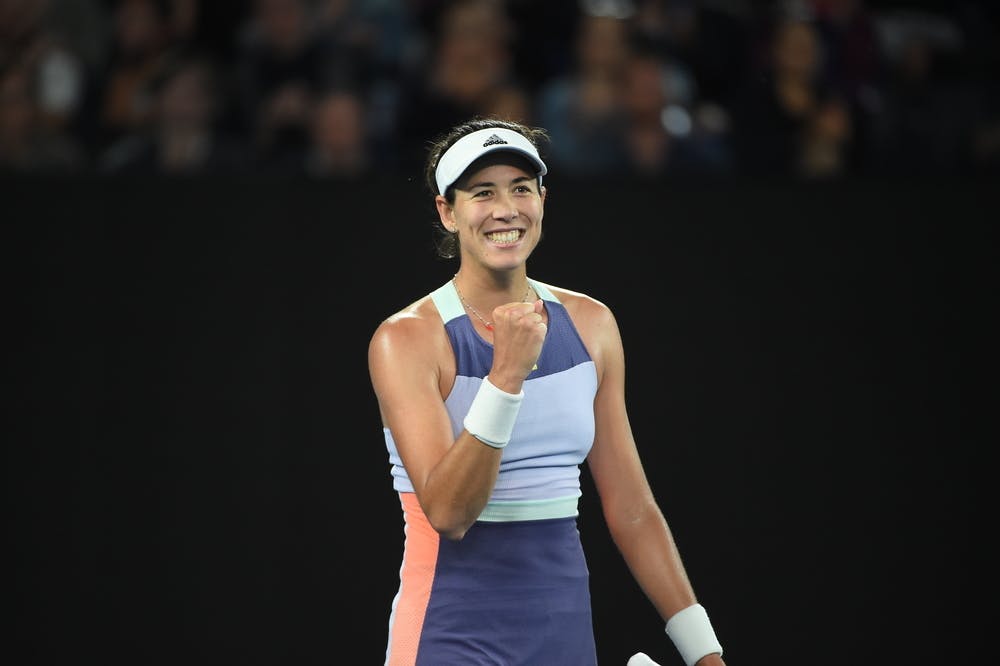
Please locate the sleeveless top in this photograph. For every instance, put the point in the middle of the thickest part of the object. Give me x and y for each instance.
(540, 467)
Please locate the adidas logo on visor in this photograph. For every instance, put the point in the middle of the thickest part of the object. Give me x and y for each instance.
(493, 140)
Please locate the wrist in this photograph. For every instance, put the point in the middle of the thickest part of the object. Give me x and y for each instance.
(505, 383)
(692, 634)
(492, 414)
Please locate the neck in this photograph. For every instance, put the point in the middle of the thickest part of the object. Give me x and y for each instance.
(502, 286)
(480, 304)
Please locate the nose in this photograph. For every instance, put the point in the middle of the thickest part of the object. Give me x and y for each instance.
(505, 214)
(504, 209)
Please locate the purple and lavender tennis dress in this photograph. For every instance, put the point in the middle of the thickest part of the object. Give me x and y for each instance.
(515, 590)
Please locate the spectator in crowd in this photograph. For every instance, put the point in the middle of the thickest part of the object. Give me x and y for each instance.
(339, 137)
(854, 59)
(711, 40)
(52, 62)
(27, 142)
(280, 72)
(854, 63)
(583, 108)
(789, 105)
(183, 135)
(368, 45)
(142, 49)
(926, 125)
(666, 128)
(828, 130)
(468, 61)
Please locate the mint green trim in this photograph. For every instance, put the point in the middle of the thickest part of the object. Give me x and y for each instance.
(450, 306)
(446, 300)
(542, 290)
(504, 512)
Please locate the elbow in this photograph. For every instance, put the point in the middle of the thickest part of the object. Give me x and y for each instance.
(451, 516)
(633, 517)
(454, 534)
(451, 526)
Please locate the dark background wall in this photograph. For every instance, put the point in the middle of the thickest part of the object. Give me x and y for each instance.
(196, 472)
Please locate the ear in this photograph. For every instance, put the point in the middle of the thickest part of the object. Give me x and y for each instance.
(445, 212)
(543, 192)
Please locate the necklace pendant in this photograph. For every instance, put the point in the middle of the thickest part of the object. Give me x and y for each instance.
(489, 327)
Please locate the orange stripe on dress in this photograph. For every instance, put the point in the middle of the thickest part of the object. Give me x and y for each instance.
(417, 575)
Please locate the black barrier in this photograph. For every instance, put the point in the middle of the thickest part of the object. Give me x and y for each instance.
(197, 472)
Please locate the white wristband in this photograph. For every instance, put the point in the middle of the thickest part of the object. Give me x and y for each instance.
(492, 414)
(692, 634)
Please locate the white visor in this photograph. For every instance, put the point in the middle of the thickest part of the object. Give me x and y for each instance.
(472, 146)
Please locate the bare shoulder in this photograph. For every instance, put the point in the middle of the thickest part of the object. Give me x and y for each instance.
(595, 323)
(409, 355)
(415, 328)
(583, 308)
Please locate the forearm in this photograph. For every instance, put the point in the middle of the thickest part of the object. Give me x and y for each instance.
(647, 546)
(464, 479)
(649, 550)
(458, 488)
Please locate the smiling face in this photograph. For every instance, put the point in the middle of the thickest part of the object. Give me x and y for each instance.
(497, 212)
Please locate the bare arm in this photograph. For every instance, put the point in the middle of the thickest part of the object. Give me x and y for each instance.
(634, 519)
(411, 367)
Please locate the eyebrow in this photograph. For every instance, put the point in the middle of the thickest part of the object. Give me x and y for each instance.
(516, 181)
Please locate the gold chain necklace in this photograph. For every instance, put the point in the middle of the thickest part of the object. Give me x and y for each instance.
(488, 325)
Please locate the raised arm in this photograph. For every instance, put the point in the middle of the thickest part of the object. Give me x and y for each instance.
(412, 369)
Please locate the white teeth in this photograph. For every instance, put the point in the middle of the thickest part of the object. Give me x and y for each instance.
(503, 236)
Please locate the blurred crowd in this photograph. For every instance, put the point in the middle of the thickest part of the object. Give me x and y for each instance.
(342, 88)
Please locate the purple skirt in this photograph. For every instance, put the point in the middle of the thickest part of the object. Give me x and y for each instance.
(509, 593)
